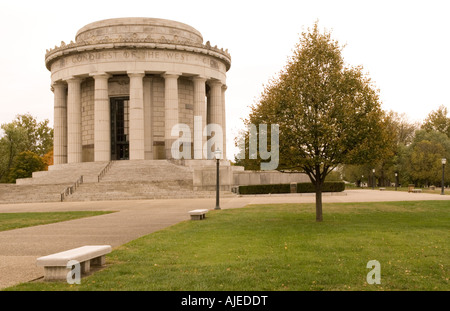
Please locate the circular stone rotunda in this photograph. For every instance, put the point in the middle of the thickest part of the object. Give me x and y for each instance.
(130, 96)
(124, 84)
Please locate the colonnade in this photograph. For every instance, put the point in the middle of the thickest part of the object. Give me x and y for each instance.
(68, 115)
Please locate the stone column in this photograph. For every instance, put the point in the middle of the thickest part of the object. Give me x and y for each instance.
(60, 123)
(224, 123)
(171, 110)
(136, 116)
(102, 118)
(216, 114)
(199, 116)
(74, 146)
(148, 115)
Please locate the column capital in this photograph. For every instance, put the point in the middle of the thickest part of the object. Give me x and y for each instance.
(97, 75)
(169, 74)
(73, 79)
(215, 83)
(136, 74)
(58, 84)
(199, 78)
(224, 87)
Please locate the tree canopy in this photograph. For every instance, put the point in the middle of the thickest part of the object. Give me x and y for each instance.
(24, 165)
(328, 112)
(24, 133)
(438, 121)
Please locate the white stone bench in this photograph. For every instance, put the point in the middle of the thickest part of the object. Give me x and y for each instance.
(198, 214)
(382, 189)
(55, 265)
(417, 190)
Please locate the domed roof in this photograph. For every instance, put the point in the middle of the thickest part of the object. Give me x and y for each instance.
(139, 28)
(138, 33)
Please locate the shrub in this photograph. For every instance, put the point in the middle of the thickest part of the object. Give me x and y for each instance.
(332, 186)
(24, 165)
(264, 189)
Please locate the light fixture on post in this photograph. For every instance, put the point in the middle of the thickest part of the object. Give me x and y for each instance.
(373, 179)
(217, 155)
(396, 181)
(444, 160)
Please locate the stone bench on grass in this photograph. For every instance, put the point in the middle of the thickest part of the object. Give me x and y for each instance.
(416, 190)
(198, 214)
(55, 265)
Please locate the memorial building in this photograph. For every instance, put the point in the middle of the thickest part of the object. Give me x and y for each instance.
(122, 87)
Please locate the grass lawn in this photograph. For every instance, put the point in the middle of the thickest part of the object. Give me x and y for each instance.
(9, 221)
(281, 247)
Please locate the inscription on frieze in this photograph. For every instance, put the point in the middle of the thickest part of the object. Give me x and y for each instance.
(139, 55)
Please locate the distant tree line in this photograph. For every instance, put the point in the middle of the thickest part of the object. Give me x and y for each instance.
(26, 146)
(415, 153)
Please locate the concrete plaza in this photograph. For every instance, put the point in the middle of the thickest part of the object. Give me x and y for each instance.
(20, 248)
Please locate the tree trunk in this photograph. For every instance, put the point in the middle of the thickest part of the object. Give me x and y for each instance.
(319, 217)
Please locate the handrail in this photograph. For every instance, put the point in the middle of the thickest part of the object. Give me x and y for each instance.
(71, 189)
(104, 171)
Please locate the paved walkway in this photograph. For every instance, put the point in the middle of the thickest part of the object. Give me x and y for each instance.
(19, 248)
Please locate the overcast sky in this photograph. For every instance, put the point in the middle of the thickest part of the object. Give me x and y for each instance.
(402, 45)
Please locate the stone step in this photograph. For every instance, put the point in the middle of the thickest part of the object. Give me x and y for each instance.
(11, 193)
(139, 191)
(64, 173)
(124, 180)
(146, 170)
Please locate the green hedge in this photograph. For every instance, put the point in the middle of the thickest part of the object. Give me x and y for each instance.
(332, 186)
(329, 186)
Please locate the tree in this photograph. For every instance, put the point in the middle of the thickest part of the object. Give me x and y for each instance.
(24, 165)
(359, 174)
(39, 134)
(48, 159)
(401, 133)
(437, 121)
(402, 130)
(423, 157)
(11, 144)
(425, 162)
(24, 133)
(328, 113)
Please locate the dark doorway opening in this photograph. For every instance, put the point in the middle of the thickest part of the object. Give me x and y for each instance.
(120, 146)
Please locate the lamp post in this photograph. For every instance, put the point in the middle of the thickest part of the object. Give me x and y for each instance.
(444, 160)
(217, 155)
(396, 181)
(362, 178)
(373, 179)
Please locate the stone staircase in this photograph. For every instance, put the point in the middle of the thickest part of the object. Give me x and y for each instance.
(141, 179)
(123, 180)
(47, 186)
(65, 174)
(146, 171)
(12, 193)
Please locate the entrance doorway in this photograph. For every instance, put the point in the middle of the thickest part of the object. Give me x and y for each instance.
(120, 146)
